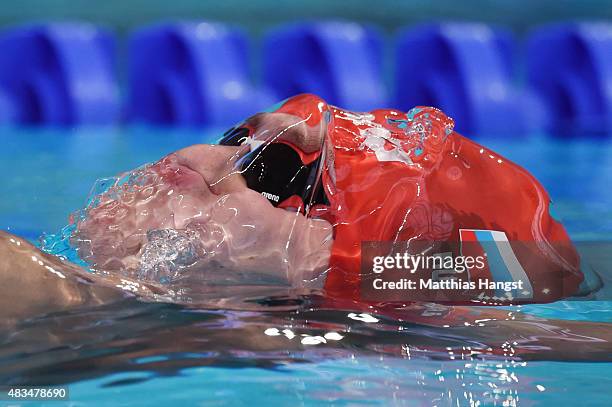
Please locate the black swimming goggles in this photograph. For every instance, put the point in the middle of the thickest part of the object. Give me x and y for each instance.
(277, 171)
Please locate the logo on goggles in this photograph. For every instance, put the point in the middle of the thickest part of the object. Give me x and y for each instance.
(271, 197)
(276, 170)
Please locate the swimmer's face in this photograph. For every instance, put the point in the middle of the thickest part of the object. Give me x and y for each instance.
(190, 213)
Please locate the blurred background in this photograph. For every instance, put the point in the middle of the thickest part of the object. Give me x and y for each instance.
(258, 16)
(498, 67)
(91, 88)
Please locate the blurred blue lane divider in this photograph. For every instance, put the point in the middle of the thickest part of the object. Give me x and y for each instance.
(197, 74)
(189, 74)
(466, 70)
(339, 61)
(58, 74)
(570, 69)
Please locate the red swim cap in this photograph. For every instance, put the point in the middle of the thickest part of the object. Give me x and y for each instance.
(391, 176)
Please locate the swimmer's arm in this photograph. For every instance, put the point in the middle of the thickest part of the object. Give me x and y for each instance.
(34, 283)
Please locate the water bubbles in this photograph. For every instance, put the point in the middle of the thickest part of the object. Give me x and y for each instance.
(99, 187)
(166, 253)
(108, 205)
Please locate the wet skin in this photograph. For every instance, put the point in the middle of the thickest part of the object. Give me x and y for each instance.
(206, 190)
(30, 289)
(232, 228)
(197, 188)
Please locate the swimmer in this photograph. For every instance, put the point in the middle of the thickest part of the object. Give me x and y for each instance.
(36, 283)
(286, 199)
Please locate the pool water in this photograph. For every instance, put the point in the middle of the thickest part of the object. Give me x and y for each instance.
(282, 350)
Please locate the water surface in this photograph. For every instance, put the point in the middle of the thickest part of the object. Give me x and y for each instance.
(279, 348)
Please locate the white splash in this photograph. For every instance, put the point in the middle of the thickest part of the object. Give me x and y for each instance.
(376, 138)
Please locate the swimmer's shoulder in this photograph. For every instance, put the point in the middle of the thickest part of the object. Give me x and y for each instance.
(35, 283)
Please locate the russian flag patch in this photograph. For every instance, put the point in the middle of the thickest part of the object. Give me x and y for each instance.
(502, 263)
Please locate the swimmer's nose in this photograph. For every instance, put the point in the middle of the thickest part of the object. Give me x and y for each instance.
(215, 164)
(208, 160)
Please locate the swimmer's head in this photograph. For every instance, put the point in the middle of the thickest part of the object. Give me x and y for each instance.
(387, 176)
(192, 213)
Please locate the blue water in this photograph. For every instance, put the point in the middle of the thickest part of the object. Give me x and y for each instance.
(158, 354)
